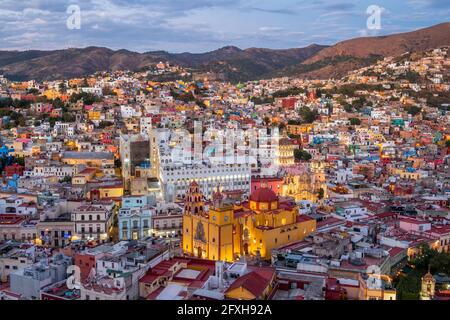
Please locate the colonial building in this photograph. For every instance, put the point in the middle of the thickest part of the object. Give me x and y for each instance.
(175, 179)
(226, 231)
(285, 152)
(93, 222)
(427, 288)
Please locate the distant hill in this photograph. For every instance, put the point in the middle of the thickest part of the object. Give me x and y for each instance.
(337, 60)
(234, 64)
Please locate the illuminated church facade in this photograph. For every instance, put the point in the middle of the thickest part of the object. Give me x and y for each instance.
(226, 231)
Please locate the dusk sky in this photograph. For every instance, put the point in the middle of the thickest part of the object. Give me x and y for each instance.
(203, 25)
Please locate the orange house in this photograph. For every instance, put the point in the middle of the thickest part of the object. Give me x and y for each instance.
(255, 285)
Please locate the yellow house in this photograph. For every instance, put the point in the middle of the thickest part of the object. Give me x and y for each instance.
(90, 159)
(255, 285)
(298, 129)
(94, 115)
(228, 231)
(84, 176)
(52, 94)
(405, 174)
(113, 192)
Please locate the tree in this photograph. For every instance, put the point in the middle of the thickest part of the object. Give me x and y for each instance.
(302, 155)
(288, 92)
(104, 124)
(57, 103)
(20, 161)
(412, 76)
(62, 87)
(321, 194)
(413, 110)
(294, 122)
(66, 179)
(355, 121)
(33, 91)
(107, 91)
(348, 107)
(308, 115)
(52, 122)
(408, 285)
(88, 98)
(358, 104)
(262, 100)
(68, 117)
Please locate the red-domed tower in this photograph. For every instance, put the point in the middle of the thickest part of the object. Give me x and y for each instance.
(194, 203)
(263, 199)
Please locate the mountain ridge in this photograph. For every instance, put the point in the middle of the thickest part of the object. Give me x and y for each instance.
(360, 52)
(236, 64)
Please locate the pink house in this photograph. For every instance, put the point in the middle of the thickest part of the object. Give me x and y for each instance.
(414, 225)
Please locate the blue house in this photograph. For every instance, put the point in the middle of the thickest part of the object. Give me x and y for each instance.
(135, 217)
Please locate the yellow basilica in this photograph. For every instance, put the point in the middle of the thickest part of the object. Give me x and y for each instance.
(227, 231)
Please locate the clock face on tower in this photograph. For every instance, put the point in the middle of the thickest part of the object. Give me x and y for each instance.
(200, 232)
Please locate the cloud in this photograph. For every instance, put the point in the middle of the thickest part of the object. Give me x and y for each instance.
(275, 11)
(270, 29)
(201, 25)
(340, 6)
(433, 4)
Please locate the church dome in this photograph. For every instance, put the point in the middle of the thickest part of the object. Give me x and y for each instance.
(263, 195)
